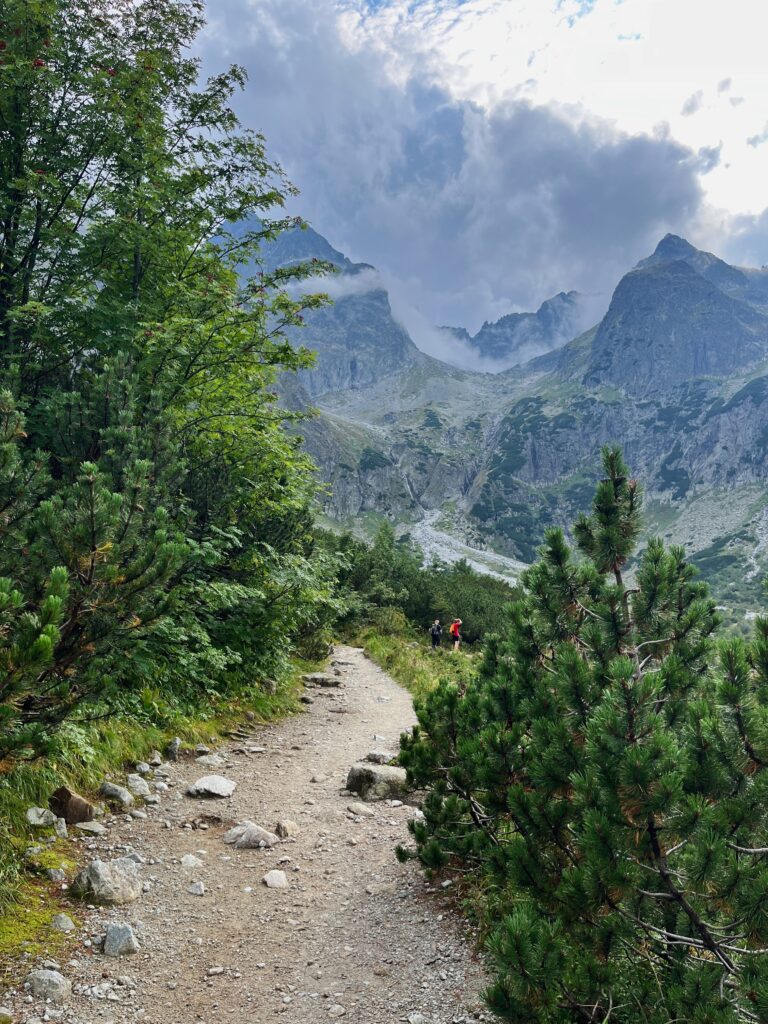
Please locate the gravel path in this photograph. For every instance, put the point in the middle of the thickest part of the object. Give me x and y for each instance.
(355, 935)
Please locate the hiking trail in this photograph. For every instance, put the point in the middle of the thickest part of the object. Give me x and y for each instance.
(355, 935)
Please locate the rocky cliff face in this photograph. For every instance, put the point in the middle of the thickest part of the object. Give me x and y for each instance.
(676, 372)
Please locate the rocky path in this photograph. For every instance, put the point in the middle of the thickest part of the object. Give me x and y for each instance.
(355, 935)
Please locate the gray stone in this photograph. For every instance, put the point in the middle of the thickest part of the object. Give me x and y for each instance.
(63, 923)
(109, 882)
(60, 828)
(211, 760)
(212, 785)
(137, 785)
(196, 889)
(417, 1018)
(379, 757)
(40, 817)
(6, 1017)
(156, 759)
(138, 815)
(275, 880)
(189, 860)
(249, 836)
(321, 679)
(361, 810)
(319, 777)
(49, 985)
(337, 1010)
(172, 750)
(93, 828)
(56, 875)
(202, 749)
(143, 768)
(119, 794)
(286, 828)
(120, 940)
(377, 782)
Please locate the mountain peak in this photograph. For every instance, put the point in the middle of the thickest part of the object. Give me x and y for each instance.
(673, 247)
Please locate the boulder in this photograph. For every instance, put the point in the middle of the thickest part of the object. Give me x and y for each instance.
(93, 828)
(70, 806)
(249, 836)
(211, 760)
(213, 786)
(118, 794)
(321, 679)
(275, 880)
(377, 782)
(137, 785)
(120, 940)
(109, 882)
(40, 817)
(51, 985)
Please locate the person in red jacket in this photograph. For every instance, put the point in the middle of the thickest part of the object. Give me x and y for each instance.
(455, 632)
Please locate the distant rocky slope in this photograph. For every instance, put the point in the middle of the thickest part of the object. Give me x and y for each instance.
(676, 372)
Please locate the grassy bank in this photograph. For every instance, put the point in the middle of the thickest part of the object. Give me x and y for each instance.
(414, 664)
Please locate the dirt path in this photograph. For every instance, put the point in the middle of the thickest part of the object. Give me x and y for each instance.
(355, 936)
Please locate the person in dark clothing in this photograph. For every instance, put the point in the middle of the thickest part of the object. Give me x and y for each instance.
(436, 632)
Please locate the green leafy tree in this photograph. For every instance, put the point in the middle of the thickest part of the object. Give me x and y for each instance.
(141, 336)
(605, 778)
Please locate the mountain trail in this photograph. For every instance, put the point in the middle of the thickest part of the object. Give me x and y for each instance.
(355, 935)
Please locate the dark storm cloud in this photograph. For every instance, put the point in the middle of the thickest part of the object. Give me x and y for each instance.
(472, 214)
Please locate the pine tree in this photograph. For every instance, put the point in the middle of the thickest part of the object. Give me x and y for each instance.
(605, 778)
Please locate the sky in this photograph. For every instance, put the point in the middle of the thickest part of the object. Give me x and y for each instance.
(486, 154)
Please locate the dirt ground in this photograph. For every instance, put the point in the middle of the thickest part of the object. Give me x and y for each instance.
(354, 936)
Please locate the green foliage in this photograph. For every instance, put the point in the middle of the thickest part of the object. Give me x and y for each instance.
(156, 544)
(391, 575)
(604, 777)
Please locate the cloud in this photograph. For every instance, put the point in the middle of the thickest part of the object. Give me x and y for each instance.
(709, 158)
(757, 140)
(693, 104)
(473, 212)
(725, 85)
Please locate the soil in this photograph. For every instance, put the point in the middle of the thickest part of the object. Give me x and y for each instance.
(355, 936)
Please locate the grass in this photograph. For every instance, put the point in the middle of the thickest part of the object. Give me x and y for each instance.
(414, 664)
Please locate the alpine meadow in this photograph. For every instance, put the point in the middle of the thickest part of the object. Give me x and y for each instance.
(352, 664)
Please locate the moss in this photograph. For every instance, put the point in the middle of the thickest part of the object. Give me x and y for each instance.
(372, 459)
(25, 927)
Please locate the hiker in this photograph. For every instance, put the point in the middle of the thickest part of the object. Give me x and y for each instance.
(456, 633)
(436, 632)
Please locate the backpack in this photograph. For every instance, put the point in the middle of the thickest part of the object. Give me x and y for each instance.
(436, 630)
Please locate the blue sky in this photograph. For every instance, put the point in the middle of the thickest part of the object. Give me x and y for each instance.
(487, 154)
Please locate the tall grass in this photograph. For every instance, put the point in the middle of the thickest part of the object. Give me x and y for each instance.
(414, 664)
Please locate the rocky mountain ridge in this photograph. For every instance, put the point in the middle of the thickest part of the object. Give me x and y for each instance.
(676, 372)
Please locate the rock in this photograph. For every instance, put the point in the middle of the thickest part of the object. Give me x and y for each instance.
(379, 757)
(377, 782)
(211, 760)
(56, 875)
(70, 806)
(361, 810)
(189, 860)
(306, 700)
(286, 828)
(152, 799)
(214, 972)
(143, 768)
(60, 828)
(93, 828)
(120, 940)
(319, 777)
(321, 679)
(251, 716)
(109, 882)
(212, 785)
(138, 815)
(137, 785)
(117, 793)
(196, 889)
(257, 750)
(337, 1010)
(156, 759)
(49, 985)
(275, 880)
(417, 1018)
(172, 750)
(249, 836)
(6, 1017)
(63, 923)
(40, 817)
(202, 749)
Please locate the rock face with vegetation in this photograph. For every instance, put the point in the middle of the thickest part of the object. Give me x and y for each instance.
(676, 371)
